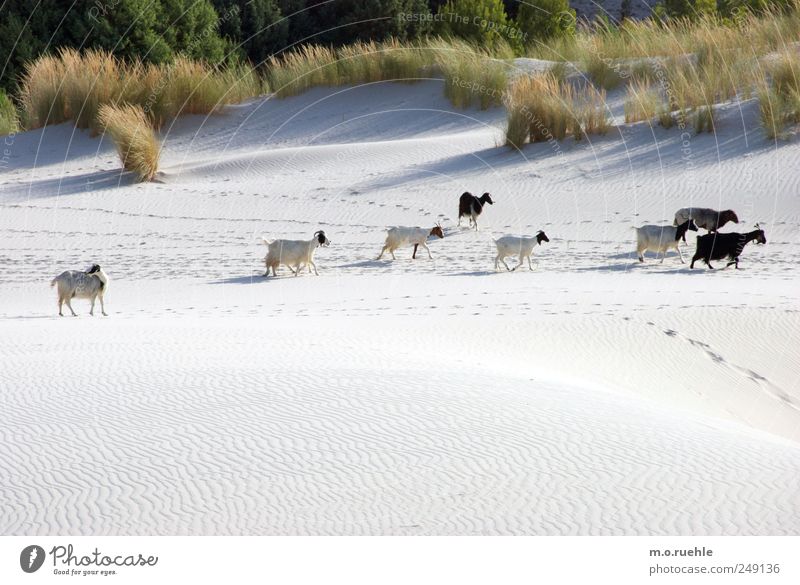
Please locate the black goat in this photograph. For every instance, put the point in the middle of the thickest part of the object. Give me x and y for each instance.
(716, 246)
(472, 206)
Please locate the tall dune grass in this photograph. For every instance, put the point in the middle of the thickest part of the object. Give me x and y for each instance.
(602, 71)
(778, 92)
(133, 137)
(42, 93)
(298, 70)
(74, 86)
(472, 76)
(543, 108)
(772, 29)
(642, 101)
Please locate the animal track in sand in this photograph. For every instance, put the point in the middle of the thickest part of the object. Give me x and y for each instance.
(764, 384)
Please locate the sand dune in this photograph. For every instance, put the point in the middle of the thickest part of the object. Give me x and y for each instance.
(595, 395)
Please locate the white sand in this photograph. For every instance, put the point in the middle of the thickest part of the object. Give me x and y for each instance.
(592, 396)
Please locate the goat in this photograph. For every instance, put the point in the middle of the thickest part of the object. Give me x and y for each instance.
(397, 237)
(703, 217)
(730, 245)
(294, 253)
(661, 238)
(517, 246)
(91, 284)
(472, 206)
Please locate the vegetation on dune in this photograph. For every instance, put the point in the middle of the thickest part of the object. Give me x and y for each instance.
(642, 101)
(134, 138)
(74, 86)
(473, 77)
(778, 92)
(308, 66)
(9, 121)
(188, 58)
(544, 108)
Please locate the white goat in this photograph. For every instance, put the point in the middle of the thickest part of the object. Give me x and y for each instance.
(294, 253)
(517, 246)
(660, 238)
(72, 284)
(398, 237)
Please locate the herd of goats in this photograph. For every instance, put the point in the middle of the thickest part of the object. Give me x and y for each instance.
(295, 254)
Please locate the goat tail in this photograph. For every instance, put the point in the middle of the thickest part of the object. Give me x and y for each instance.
(54, 281)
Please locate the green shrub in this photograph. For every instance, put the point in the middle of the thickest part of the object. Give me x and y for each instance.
(481, 22)
(9, 121)
(543, 20)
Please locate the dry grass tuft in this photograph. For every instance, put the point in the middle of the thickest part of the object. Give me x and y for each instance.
(74, 86)
(134, 138)
(642, 101)
(778, 92)
(471, 76)
(603, 72)
(542, 108)
(298, 70)
(41, 93)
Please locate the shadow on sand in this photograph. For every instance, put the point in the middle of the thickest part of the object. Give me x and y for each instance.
(254, 278)
(72, 185)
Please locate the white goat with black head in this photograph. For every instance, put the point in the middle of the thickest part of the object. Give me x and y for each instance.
(294, 253)
(517, 246)
(91, 284)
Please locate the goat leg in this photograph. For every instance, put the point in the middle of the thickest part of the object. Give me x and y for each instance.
(414, 255)
(428, 250)
(69, 306)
